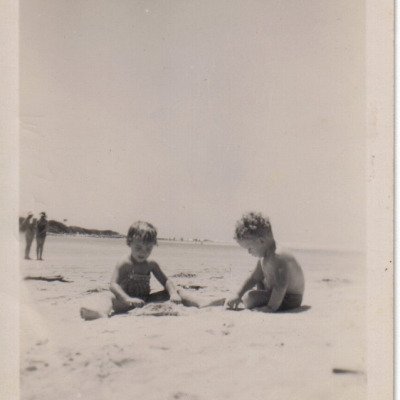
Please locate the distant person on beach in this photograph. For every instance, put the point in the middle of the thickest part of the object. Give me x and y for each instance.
(130, 282)
(28, 226)
(278, 277)
(41, 230)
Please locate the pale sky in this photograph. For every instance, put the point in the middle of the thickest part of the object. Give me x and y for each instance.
(188, 113)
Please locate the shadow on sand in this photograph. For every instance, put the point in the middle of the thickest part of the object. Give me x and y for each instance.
(296, 310)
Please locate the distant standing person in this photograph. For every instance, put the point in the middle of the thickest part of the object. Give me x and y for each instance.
(41, 234)
(28, 225)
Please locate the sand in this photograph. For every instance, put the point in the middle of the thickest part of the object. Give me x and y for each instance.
(190, 353)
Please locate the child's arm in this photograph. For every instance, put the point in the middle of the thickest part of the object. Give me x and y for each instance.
(119, 293)
(167, 283)
(250, 282)
(279, 289)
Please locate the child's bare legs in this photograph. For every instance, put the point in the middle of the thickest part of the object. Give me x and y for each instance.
(256, 298)
(190, 300)
(100, 306)
(106, 304)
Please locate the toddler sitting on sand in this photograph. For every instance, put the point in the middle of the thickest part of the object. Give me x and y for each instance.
(130, 282)
(279, 278)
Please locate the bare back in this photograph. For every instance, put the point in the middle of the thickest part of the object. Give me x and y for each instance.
(283, 264)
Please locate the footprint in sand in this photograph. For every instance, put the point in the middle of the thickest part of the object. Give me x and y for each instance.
(34, 365)
(226, 331)
(123, 361)
(184, 396)
(159, 347)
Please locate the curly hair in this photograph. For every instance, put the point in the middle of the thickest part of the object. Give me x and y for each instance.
(252, 224)
(143, 231)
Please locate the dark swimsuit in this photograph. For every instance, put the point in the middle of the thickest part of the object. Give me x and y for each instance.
(289, 302)
(136, 285)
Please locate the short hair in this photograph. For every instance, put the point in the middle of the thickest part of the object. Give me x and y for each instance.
(252, 225)
(143, 231)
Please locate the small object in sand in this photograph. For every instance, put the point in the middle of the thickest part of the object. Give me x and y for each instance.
(158, 310)
(47, 278)
(184, 275)
(345, 371)
(195, 287)
(97, 290)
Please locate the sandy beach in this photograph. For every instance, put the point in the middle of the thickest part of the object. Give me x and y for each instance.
(315, 352)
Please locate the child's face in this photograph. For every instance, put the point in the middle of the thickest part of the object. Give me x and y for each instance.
(257, 247)
(141, 250)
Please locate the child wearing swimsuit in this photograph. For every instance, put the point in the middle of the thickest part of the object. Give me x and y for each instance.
(130, 282)
(136, 285)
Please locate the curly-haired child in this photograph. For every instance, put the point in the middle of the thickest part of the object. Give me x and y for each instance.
(278, 277)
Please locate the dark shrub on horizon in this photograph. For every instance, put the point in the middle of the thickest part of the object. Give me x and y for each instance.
(58, 228)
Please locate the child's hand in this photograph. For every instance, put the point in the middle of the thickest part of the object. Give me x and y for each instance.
(136, 303)
(175, 298)
(233, 302)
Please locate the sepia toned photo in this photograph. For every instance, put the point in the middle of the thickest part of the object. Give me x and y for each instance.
(197, 200)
